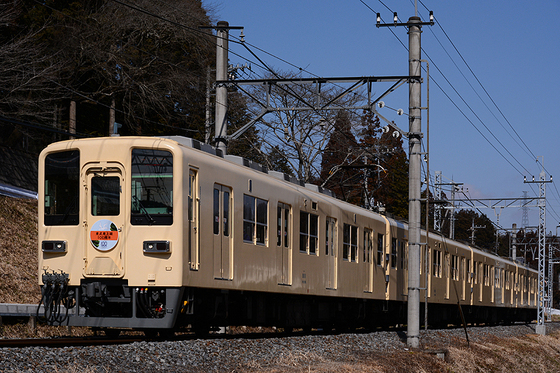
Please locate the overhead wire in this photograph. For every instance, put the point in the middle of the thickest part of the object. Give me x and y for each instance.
(470, 108)
(525, 147)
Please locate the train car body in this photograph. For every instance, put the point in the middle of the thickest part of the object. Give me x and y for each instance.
(164, 233)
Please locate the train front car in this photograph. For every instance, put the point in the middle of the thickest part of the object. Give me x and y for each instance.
(108, 250)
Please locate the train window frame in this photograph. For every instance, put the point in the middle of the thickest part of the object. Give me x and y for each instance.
(255, 220)
(61, 202)
(154, 172)
(308, 233)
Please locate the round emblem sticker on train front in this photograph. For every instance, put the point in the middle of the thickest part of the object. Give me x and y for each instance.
(104, 235)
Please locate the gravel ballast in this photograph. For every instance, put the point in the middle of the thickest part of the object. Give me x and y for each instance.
(274, 354)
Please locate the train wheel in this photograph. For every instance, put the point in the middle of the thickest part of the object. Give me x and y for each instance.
(201, 331)
(151, 333)
(112, 333)
(166, 334)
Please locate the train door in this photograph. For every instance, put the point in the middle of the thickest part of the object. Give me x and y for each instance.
(331, 253)
(223, 243)
(283, 244)
(368, 259)
(193, 219)
(105, 216)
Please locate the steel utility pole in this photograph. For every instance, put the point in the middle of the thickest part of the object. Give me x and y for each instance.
(220, 120)
(220, 126)
(414, 186)
(414, 25)
(541, 328)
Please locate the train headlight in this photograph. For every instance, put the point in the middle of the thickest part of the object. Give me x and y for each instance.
(157, 247)
(53, 246)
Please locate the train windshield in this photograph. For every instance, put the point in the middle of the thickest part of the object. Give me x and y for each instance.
(152, 187)
(62, 181)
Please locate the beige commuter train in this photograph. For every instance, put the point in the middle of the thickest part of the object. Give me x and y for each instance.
(160, 234)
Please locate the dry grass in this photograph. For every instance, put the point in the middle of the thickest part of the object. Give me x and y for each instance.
(531, 353)
(19, 267)
(18, 251)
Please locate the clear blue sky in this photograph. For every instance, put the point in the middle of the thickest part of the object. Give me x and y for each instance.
(512, 47)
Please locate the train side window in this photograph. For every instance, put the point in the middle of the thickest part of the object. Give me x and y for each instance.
(455, 267)
(282, 226)
(216, 211)
(394, 253)
(380, 246)
(368, 246)
(475, 272)
(62, 184)
(486, 274)
(222, 200)
(152, 187)
(350, 243)
(308, 233)
(403, 256)
(255, 219)
(437, 264)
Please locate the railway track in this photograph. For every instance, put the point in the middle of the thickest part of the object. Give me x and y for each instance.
(67, 341)
(57, 342)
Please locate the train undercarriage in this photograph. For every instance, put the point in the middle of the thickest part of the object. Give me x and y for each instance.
(113, 304)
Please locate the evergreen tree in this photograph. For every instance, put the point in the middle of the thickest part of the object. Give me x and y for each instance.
(484, 237)
(338, 171)
(388, 178)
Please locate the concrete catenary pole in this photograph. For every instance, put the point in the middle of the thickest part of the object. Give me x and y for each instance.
(414, 138)
(220, 127)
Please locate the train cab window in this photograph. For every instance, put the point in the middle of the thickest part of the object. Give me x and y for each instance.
(308, 233)
(152, 187)
(105, 196)
(255, 221)
(62, 183)
(350, 243)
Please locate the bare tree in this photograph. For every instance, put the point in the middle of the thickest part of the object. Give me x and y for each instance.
(301, 135)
